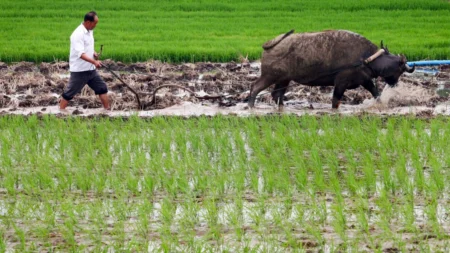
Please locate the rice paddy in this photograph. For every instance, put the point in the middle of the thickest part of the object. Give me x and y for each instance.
(224, 184)
(280, 183)
(196, 31)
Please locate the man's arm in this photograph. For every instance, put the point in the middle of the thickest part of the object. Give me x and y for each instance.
(96, 63)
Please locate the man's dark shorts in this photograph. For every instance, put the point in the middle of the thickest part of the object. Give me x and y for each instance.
(78, 80)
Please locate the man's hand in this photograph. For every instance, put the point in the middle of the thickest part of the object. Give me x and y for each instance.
(97, 64)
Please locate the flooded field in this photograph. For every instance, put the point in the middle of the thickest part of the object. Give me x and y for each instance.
(279, 183)
(28, 88)
(132, 181)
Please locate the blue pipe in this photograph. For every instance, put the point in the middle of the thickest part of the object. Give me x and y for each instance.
(427, 71)
(429, 63)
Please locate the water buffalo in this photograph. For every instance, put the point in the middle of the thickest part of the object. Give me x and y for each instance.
(338, 58)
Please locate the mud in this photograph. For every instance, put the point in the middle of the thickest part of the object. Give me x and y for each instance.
(27, 88)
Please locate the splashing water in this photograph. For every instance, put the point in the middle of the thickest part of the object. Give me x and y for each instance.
(403, 94)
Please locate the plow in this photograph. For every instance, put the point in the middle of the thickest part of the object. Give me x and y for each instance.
(153, 102)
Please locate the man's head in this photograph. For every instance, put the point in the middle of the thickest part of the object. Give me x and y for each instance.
(90, 20)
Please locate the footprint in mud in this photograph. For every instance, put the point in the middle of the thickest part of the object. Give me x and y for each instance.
(77, 112)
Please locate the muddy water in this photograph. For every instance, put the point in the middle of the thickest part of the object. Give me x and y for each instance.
(302, 211)
(26, 88)
(300, 214)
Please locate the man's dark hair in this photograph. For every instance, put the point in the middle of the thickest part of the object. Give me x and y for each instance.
(90, 16)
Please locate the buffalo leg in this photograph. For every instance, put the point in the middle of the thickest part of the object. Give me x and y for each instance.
(260, 84)
(368, 85)
(278, 92)
(338, 93)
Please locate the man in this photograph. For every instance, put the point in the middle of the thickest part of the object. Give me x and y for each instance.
(83, 62)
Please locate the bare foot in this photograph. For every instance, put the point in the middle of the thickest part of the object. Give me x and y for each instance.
(105, 111)
(64, 111)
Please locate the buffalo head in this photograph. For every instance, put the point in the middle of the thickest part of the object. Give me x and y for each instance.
(389, 66)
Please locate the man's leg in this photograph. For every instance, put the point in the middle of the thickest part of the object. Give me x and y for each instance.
(77, 81)
(63, 104)
(99, 86)
(105, 101)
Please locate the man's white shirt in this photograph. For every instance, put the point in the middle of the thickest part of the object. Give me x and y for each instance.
(81, 41)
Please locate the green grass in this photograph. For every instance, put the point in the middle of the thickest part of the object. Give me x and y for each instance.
(223, 183)
(192, 31)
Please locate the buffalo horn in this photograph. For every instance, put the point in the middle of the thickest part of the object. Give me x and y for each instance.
(409, 69)
(374, 56)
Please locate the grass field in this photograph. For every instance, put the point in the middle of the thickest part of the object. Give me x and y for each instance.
(192, 31)
(228, 184)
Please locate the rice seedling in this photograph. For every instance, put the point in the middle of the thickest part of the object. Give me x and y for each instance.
(221, 183)
(235, 217)
(407, 213)
(318, 170)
